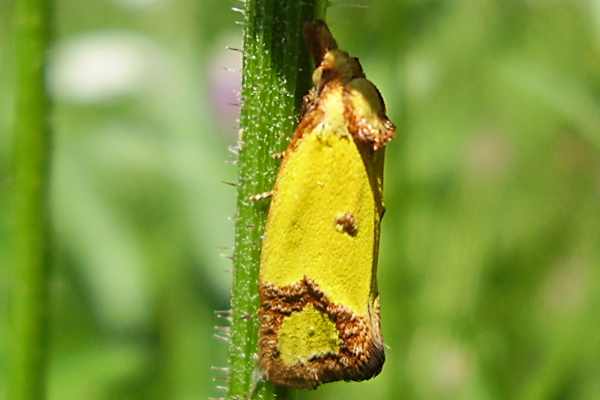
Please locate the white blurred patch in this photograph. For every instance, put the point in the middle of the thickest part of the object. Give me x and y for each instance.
(101, 66)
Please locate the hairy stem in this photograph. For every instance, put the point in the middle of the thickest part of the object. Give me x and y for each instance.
(276, 74)
(31, 229)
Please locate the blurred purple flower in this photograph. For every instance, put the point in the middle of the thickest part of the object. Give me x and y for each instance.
(225, 77)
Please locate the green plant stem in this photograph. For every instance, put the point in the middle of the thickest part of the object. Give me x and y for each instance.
(31, 234)
(276, 74)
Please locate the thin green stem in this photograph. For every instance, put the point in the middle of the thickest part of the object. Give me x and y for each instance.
(276, 74)
(31, 229)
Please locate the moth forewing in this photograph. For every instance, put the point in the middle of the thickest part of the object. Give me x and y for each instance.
(319, 310)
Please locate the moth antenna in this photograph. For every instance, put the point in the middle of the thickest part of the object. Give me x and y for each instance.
(318, 39)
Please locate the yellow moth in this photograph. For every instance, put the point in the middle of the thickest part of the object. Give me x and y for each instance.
(319, 310)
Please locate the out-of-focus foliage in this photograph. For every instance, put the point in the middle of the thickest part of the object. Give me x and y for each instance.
(489, 264)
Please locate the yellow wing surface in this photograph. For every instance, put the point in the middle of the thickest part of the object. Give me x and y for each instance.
(326, 176)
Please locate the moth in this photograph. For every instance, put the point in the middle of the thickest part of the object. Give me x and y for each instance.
(319, 302)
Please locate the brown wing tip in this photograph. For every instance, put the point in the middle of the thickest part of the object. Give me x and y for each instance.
(319, 39)
(377, 135)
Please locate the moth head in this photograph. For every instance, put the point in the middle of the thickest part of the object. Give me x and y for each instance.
(331, 62)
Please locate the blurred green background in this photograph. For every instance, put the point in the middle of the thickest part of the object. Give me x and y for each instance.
(489, 271)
